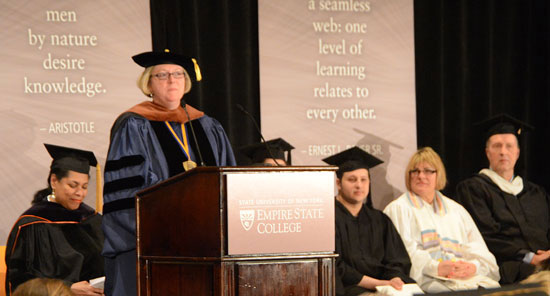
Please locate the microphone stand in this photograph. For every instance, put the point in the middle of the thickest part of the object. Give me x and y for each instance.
(259, 132)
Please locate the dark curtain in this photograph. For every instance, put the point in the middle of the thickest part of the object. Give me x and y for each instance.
(474, 59)
(223, 37)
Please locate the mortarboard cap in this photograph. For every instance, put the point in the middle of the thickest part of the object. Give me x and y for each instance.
(152, 58)
(258, 152)
(71, 159)
(503, 124)
(352, 159)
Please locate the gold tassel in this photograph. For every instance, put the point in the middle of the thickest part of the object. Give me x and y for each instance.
(98, 190)
(197, 70)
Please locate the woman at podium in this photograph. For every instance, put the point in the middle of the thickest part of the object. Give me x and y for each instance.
(151, 142)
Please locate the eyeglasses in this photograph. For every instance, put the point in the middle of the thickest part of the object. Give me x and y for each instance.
(165, 75)
(427, 172)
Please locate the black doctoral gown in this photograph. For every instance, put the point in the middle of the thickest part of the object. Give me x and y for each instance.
(49, 241)
(511, 225)
(368, 245)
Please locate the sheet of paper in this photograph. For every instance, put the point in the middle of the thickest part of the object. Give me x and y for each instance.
(98, 282)
(408, 290)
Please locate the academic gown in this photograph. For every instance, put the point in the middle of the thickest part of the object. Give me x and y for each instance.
(368, 245)
(143, 152)
(49, 241)
(511, 225)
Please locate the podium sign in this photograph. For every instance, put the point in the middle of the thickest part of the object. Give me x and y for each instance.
(290, 212)
(227, 231)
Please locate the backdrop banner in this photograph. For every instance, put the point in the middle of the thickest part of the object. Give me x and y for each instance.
(67, 73)
(339, 73)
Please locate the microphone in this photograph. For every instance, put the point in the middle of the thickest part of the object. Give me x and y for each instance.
(259, 132)
(184, 105)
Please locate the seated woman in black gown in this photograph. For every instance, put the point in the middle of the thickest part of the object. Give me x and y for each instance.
(59, 236)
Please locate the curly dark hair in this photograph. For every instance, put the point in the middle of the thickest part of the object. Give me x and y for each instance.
(40, 195)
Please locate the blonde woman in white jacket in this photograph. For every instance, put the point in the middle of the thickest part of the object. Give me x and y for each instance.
(446, 249)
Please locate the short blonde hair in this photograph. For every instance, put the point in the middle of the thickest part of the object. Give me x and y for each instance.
(429, 156)
(43, 287)
(145, 78)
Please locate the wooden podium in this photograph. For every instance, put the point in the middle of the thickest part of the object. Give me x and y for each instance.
(238, 231)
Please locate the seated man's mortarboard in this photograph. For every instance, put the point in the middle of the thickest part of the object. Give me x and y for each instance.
(503, 124)
(352, 159)
(258, 152)
(153, 58)
(79, 161)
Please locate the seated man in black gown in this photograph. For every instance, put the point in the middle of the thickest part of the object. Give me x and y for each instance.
(370, 249)
(512, 214)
